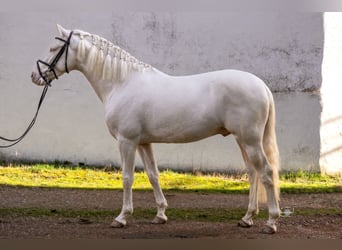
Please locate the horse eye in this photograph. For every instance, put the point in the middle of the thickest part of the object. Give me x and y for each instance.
(54, 48)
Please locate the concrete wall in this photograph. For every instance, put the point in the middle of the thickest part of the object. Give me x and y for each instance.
(284, 49)
(331, 93)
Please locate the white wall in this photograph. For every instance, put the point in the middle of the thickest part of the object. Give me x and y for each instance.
(284, 49)
(331, 93)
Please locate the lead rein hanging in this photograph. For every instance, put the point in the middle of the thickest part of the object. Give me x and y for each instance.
(17, 140)
(51, 67)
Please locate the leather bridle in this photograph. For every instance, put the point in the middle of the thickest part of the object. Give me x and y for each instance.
(51, 68)
(52, 65)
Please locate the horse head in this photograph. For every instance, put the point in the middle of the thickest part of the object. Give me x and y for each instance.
(61, 59)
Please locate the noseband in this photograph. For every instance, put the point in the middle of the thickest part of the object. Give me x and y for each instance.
(52, 65)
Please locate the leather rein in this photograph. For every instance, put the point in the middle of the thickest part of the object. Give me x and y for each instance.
(51, 68)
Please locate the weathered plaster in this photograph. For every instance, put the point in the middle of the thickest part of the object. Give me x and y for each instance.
(284, 49)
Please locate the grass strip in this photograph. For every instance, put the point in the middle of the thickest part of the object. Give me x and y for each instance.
(205, 215)
(210, 214)
(51, 176)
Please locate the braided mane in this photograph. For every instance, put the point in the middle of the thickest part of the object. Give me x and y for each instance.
(106, 60)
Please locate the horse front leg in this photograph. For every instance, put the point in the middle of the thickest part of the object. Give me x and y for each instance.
(151, 169)
(127, 152)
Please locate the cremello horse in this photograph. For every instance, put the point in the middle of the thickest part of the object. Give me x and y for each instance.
(144, 106)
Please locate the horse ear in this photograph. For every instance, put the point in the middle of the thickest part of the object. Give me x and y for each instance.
(62, 32)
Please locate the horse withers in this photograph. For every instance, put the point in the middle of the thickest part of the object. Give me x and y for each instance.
(144, 105)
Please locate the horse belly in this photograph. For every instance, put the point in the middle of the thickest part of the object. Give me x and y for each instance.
(181, 126)
(178, 134)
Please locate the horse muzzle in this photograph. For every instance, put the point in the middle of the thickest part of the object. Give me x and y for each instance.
(37, 79)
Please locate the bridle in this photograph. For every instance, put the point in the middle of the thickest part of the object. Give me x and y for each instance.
(52, 65)
(51, 68)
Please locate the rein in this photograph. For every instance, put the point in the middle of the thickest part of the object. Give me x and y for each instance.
(51, 68)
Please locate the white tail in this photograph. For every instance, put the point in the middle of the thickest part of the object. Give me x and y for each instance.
(271, 150)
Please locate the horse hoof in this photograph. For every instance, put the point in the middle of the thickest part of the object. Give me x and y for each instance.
(244, 224)
(116, 224)
(267, 229)
(159, 220)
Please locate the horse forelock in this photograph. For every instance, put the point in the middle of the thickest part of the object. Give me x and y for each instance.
(104, 59)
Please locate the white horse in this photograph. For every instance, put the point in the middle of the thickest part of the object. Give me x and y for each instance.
(144, 106)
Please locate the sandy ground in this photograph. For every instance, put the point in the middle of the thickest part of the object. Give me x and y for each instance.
(317, 226)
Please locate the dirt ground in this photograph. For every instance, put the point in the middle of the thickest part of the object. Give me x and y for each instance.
(296, 226)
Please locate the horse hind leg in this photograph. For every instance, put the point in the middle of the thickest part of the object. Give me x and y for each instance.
(151, 169)
(266, 174)
(253, 209)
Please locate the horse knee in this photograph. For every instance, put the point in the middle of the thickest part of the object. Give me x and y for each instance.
(262, 167)
(267, 178)
(127, 180)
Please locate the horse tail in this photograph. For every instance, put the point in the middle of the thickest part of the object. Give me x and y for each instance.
(271, 150)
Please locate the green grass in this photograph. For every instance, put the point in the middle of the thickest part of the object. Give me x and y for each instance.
(209, 214)
(96, 178)
(188, 214)
(64, 176)
(306, 182)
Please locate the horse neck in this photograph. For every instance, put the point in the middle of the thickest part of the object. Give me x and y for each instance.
(105, 65)
(101, 88)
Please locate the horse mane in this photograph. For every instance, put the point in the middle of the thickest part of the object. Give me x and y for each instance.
(106, 60)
